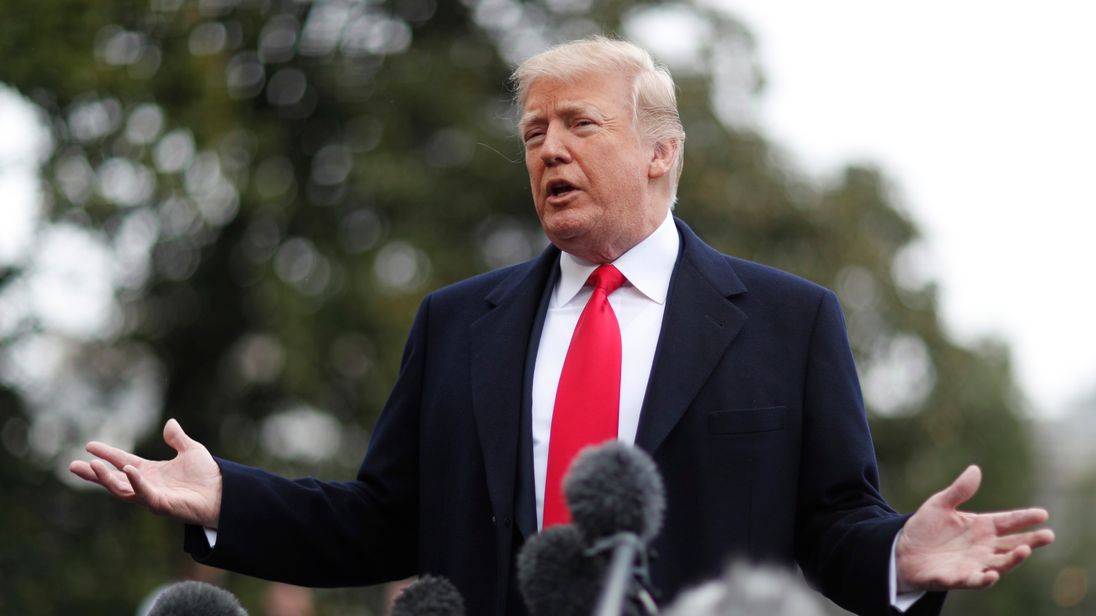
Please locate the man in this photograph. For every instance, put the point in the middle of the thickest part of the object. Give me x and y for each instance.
(736, 378)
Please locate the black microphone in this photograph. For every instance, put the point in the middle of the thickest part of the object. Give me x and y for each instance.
(555, 575)
(617, 501)
(196, 599)
(429, 596)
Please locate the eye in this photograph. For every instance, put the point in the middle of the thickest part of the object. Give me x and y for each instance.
(532, 136)
(584, 122)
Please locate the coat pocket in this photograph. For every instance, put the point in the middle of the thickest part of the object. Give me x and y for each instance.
(747, 421)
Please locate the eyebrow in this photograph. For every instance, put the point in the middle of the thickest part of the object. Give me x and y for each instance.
(568, 108)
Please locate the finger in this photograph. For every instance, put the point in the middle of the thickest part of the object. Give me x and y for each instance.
(980, 577)
(1034, 539)
(83, 470)
(961, 490)
(1011, 521)
(115, 456)
(1006, 561)
(175, 437)
(983, 579)
(113, 481)
(142, 490)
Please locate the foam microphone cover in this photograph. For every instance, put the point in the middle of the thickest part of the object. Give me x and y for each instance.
(749, 590)
(555, 576)
(614, 488)
(429, 596)
(196, 599)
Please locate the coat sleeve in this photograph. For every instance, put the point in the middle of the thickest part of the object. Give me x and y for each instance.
(845, 528)
(322, 533)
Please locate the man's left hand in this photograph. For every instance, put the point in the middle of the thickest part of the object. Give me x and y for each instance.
(942, 548)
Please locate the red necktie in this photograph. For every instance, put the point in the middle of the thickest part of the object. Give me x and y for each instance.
(588, 398)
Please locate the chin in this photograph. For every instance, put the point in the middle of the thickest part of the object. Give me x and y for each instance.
(563, 228)
(569, 244)
(564, 240)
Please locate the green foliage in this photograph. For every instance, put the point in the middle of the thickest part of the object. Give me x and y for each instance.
(309, 175)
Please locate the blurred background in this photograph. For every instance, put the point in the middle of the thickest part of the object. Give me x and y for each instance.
(227, 211)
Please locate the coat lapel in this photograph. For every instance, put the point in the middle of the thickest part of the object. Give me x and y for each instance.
(697, 327)
(499, 342)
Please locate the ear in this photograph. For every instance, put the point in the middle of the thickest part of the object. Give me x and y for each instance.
(662, 158)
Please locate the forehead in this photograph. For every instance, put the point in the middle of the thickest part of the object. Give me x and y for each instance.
(609, 93)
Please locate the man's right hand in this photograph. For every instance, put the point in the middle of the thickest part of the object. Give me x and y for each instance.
(187, 487)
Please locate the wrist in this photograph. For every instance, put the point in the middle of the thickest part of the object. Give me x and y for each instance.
(214, 517)
(901, 561)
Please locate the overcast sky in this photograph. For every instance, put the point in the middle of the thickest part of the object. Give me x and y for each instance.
(984, 115)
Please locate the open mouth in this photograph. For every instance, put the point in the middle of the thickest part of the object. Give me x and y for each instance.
(558, 188)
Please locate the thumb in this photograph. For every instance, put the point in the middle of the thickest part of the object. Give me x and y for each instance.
(962, 489)
(175, 437)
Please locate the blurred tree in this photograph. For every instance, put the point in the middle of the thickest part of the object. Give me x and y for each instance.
(275, 184)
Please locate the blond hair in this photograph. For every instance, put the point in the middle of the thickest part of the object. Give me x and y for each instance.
(654, 99)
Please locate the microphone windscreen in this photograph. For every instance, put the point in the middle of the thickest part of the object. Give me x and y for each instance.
(556, 577)
(749, 590)
(615, 488)
(196, 599)
(429, 596)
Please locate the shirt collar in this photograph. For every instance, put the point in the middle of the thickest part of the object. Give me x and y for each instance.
(647, 266)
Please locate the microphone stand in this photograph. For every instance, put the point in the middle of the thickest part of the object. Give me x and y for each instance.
(623, 572)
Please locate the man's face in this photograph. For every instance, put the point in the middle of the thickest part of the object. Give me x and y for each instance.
(589, 170)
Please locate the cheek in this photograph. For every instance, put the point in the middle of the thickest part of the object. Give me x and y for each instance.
(532, 162)
(622, 181)
(534, 179)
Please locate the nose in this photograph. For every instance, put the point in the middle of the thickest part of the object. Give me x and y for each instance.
(554, 149)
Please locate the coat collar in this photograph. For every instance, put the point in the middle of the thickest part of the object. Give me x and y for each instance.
(698, 325)
(499, 342)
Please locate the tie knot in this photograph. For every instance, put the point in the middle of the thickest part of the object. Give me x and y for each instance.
(607, 278)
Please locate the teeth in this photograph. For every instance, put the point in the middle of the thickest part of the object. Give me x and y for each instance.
(559, 189)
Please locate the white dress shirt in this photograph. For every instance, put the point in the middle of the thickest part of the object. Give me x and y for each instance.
(639, 305)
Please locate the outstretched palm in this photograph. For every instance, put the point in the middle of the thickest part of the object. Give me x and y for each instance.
(942, 548)
(187, 487)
